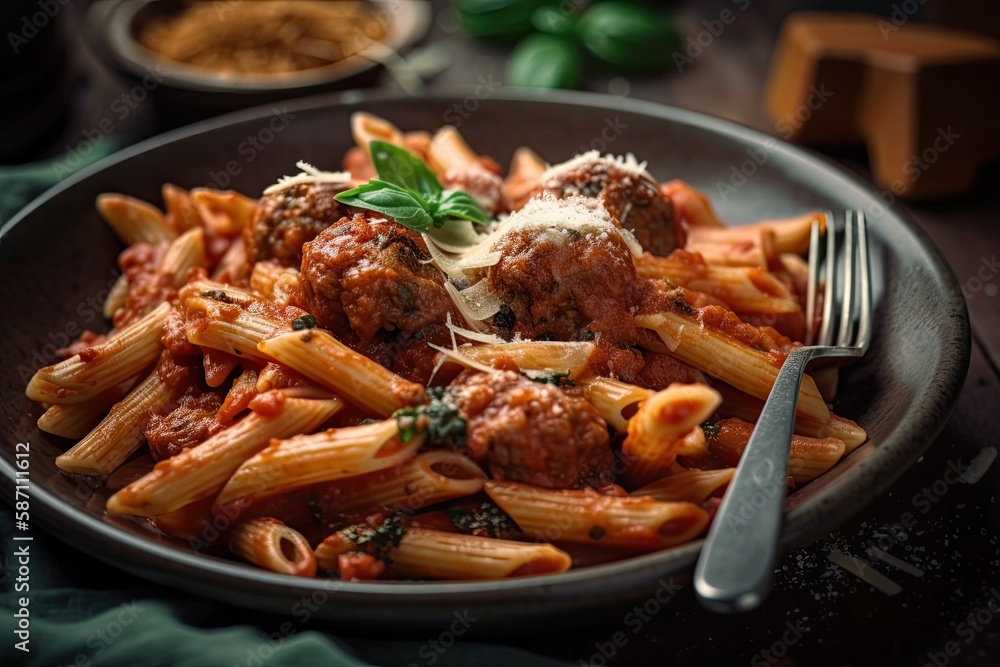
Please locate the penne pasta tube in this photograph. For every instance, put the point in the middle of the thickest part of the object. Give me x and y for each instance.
(737, 404)
(656, 431)
(616, 401)
(693, 206)
(590, 517)
(526, 167)
(133, 220)
(233, 265)
(745, 289)
(99, 368)
(264, 275)
(304, 460)
(754, 248)
(319, 356)
(225, 212)
(730, 360)
(120, 433)
(425, 479)
(181, 212)
(366, 128)
(433, 554)
(273, 546)
(183, 254)
(535, 358)
(231, 320)
(790, 235)
(117, 297)
(692, 486)
(199, 472)
(78, 419)
(808, 458)
(448, 151)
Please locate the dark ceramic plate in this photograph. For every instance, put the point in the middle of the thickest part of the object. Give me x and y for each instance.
(58, 259)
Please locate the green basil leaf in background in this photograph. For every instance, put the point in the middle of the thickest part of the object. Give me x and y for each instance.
(460, 204)
(403, 206)
(497, 19)
(398, 166)
(545, 61)
(628, 36)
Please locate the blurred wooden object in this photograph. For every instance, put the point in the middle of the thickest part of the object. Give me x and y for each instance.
(919, 97)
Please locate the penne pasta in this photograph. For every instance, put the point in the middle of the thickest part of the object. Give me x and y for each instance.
(730, 360)
(273, 546)
(119, 434)
(199, 472)
(590, 517)
(117, 297)
(133, 220)
(449, 151)
(181, 212)
(78, 419)
(737, 404)
(753, 248)
(656, 431)
(616, 401)
(231, 320)
(692, 205)
(264, 275)
(186, 252)
(808, 458)
(226, 213)
(366, 128)
(790, 235)
(434, 554)
(300, 461)
(99, 368)
(692, 486)
(320, 357)
(526, 167)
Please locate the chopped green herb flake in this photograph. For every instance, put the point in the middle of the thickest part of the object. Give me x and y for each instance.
(487, 520)
(378, 541)
(217, 295)
(305, 322)
(559, 379)
(440, 419)
(711, 430)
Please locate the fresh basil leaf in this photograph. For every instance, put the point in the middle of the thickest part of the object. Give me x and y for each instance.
(460, 204)
(398, 166)
(406, 208)
(545, 61)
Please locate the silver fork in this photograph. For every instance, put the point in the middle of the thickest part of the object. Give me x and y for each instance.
(737, 561)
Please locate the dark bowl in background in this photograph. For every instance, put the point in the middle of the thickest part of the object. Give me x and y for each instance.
(184, 94)
(902, 391)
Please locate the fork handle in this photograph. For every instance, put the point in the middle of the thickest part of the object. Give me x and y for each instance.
(737, 560)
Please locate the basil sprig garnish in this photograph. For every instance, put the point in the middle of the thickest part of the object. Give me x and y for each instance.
(409, 193)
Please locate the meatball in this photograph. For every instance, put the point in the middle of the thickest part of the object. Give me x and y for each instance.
(367, 273)
(286, 220)
(370, 282)
(533, 433)
(630, 195)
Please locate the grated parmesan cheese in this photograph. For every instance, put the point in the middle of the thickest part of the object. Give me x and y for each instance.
(309, 174)
(626, 163)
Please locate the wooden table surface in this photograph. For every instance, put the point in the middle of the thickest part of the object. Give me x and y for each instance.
(818, 614)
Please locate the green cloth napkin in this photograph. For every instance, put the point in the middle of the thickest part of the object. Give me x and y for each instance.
(85, 613)
(21, 183)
